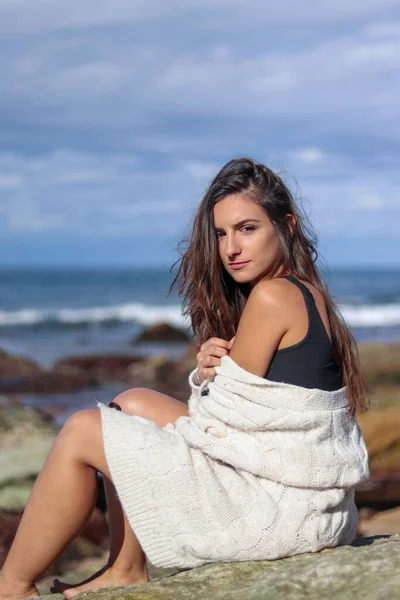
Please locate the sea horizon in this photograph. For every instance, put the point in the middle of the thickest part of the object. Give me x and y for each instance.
(47, 313)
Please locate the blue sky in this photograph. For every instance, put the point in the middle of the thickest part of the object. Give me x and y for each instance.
(114, 116)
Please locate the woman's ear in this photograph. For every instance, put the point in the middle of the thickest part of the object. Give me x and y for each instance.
(291, 221)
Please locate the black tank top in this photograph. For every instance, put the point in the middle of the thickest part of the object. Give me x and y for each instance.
(309, 363)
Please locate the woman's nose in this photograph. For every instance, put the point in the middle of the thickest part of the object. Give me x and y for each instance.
(232, 247)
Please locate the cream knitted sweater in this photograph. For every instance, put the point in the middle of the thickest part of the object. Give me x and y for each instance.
(259, 470)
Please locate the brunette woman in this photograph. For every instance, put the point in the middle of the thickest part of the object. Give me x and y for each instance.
(263, 461)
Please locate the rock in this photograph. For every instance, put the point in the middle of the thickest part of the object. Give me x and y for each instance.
(188, 358)
(60, 379)
(147, 372)
(163, 332)
(14, 494)
(386, 522)
(26, 436)
(381, 431)
(70, 375)
(92, 541)
(87, 567)
(25, 441)
(16, 366)
(101, 367)
(9, 522)
(19, 424)
(366, 570)
(380, 363)
(382, 490)
(162, 374)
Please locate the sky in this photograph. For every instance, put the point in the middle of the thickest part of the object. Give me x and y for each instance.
(114, 117)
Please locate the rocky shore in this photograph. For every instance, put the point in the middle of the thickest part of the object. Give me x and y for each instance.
(26, 435)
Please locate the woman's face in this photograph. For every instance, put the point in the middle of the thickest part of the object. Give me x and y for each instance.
(247, 241)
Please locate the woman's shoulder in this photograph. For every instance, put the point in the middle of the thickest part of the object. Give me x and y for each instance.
(280, 290)
(287, 301)
(277, 291)
(261, 327)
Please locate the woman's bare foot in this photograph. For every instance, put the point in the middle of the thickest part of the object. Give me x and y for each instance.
(15, 590)
(107, 577)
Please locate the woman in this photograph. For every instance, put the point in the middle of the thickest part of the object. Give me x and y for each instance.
(264, 460)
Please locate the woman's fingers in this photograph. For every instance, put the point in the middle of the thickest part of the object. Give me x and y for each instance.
(217, 351)
(207, 372)
(214, 342)
(210, 356)
(209, 361)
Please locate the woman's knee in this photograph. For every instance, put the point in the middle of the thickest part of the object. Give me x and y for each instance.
(81, 440)
(79, 425)
(134, 400)
(157, 407)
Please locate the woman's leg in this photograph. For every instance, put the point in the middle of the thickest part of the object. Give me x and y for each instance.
(127, 561)
(61, 502)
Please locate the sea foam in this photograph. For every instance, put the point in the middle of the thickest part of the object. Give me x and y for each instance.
(147, 314)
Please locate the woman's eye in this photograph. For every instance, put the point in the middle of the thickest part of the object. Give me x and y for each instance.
(245, 229)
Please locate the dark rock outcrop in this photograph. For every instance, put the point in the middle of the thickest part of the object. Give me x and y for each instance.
(100, 367)
(162, 332)
(12, 365)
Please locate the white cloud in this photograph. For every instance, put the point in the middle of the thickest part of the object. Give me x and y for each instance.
(69, 192)
(121, 112)
(91, 195)
(308, 155)
(119, 78)
(373, 202)
(32, 16)
(9, 181)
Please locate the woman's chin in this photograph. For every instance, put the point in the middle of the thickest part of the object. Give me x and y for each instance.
(242, 277)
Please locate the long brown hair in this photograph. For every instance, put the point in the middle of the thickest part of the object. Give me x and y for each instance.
(214, 301)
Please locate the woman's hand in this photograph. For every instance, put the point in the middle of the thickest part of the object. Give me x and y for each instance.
(210, 356)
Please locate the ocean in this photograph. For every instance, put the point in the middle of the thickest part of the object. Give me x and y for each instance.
(48, 314)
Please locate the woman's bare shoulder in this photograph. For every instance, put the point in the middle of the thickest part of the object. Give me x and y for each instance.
(277, 290)
(261, 327)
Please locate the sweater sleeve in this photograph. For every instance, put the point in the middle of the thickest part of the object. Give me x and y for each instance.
(197, 388)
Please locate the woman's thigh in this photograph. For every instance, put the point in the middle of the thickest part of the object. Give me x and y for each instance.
(152, 405)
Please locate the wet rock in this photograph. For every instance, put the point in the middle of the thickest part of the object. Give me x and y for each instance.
(162, 332)
(368, 569)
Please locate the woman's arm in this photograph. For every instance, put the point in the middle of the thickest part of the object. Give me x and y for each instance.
(263, 323)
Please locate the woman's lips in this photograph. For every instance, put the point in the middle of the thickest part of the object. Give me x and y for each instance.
(238, 265)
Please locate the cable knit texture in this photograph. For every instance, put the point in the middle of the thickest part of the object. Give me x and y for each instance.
(259, 470)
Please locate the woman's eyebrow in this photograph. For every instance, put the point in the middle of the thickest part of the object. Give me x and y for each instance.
(240, 223)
